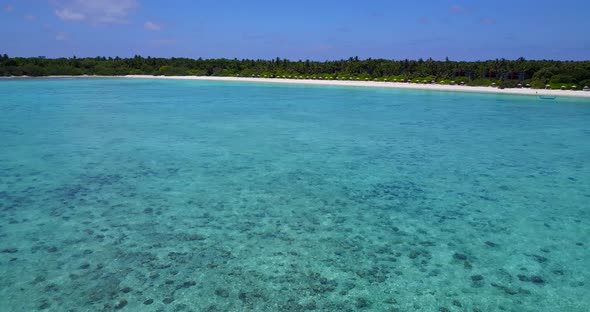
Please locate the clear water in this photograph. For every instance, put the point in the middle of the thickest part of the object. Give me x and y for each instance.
(152, 195)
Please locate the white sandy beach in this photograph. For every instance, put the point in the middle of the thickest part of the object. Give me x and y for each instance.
(381, 84)
(373, 84)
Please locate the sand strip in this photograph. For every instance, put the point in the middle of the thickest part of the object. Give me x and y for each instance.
(373, 84)
(380, 84)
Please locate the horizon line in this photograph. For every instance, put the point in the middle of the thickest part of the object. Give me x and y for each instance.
(356, 58)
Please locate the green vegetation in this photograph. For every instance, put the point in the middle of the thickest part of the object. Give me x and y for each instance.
(502, 73)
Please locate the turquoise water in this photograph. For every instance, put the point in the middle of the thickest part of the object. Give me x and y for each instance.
(153, 195)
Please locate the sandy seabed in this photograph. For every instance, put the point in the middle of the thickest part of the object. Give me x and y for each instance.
(160, 195)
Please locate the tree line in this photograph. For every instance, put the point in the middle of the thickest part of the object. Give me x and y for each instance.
(502, 72)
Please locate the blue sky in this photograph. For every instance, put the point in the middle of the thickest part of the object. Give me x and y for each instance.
(317, 30)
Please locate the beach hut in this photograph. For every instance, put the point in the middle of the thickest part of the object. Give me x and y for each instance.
(490, 74)
(547, 86)
(527, 85)
(586, 88)
(493, 84)
(563, 87)
(453, 82)
(462, 83)
(519, 85)
(574, 87)
(515, 76)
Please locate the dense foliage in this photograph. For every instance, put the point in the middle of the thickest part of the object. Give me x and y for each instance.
(504, 73)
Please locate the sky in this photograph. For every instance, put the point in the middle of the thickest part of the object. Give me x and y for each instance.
(303, 29)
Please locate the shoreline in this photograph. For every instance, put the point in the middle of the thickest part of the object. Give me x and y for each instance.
(349, 83)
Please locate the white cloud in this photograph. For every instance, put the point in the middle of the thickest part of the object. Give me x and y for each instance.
(69, 15)
(457, 8)
(29, 17)
(149, 25)
(96, 11)
(62, 36)
(9, 8)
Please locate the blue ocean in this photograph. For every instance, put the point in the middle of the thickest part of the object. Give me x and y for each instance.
(165, 195)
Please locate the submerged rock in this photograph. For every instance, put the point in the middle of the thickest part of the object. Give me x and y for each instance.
(537, 279)
(194, 237)
(44, 305)
(467, 265)
(310, 306)
(459, 256)
(476, 278)
(362, 303)
(168, 300)
(222, 292)
(250, 298)
(186, 284)
(39, 279)
(506, 289)
(538, 258)
(509, 290)
(491, 244)
(122, 303)
(9, 250)
(558, 272)
(414, 254)
(51, 288)
(523, 278)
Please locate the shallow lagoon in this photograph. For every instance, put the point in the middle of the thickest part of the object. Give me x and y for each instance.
(157, 195)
